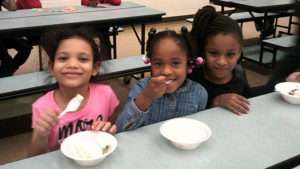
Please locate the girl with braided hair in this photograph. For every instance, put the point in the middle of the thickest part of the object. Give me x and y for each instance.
(168, 93)
(220, 42)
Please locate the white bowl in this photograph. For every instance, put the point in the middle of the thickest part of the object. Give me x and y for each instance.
(284, 88)
(185, 133)
(88, 140)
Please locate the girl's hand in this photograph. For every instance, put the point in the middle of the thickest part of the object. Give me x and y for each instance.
(104, 126)
(156, 87)
(294, 77)
(233, 102)
(46, 122)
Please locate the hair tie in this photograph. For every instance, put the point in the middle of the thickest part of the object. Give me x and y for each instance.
(196, 63)
(199, 60)
(151, 35)
(146, 60)
(152, 32)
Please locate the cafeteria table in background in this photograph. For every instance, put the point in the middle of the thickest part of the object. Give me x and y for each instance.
(30, 22)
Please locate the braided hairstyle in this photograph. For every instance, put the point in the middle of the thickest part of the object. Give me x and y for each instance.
(184, 40)
(208, 23)
(51, 39)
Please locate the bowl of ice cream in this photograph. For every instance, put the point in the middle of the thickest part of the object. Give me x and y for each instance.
(185, 133)
(89, 148)
(290, 91)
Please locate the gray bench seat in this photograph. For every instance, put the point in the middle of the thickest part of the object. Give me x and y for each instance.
(37, 82)
(281, 42)
(274, 44)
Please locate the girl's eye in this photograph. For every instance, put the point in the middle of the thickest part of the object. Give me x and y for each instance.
(231, 54)
(213, 53)
(62, 58)
(83, 59)
(157, 64)
(176, 63)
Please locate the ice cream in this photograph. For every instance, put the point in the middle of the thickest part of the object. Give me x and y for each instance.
(89, 150)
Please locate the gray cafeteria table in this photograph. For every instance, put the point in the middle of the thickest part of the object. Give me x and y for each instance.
(28, 22)
(259, 6)
(267, 135)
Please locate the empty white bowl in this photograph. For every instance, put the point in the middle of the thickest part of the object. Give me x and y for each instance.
(86, 148)
(285, 88)
(185, 133)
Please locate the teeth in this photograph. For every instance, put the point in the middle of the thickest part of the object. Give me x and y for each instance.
(169, 81)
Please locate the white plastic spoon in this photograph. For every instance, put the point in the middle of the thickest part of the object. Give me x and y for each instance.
(73, 104)
(103, 144)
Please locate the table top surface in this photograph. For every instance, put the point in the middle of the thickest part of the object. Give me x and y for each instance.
(262, 138)
(257, 5)
(126, 13)
(57, 10)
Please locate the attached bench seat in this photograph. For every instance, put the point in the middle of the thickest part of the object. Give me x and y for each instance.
(37, 82)
(281, 43)
(246, 17)
(18, 92)
(274, 44)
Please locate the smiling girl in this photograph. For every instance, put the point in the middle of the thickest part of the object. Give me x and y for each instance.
(168, 93)
(73, 59)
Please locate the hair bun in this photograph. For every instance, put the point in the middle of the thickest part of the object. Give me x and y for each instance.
(184, 29)
(209, 8)
(152, 32)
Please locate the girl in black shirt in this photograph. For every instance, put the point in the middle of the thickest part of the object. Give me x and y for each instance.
(219, 40)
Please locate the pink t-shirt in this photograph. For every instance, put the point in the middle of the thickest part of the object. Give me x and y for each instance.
(100, 106)
(28, 4)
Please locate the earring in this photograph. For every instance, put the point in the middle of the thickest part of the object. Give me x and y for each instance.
(146, 60)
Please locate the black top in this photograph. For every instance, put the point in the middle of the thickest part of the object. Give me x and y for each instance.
(1, 1)
(235, 85)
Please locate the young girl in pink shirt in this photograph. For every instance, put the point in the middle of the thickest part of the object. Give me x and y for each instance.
(73, 59)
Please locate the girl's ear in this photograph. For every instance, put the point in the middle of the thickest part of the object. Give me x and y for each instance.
(50, 68)
(241, 57)
(96, 68)
(189, 67)
(189, 70)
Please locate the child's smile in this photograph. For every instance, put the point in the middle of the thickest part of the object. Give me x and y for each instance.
(73, 64)
(71, 74)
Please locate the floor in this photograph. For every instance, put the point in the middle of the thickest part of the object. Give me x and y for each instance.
(15, 147)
